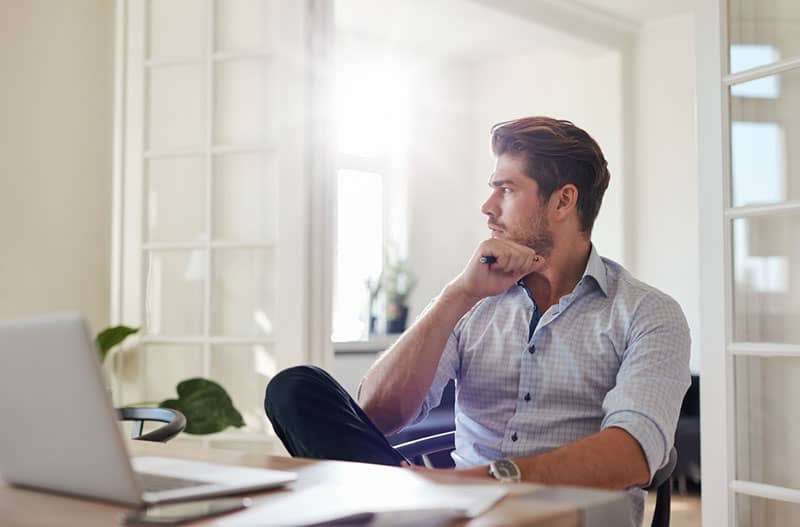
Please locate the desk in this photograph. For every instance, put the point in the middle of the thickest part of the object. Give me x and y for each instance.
(29, 508)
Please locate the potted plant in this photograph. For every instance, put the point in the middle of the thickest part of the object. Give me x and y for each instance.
(206, 405)
(398, 282)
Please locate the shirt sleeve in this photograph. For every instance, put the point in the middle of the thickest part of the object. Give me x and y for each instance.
(652, 379)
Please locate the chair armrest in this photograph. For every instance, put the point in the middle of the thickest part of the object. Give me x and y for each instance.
(427, 445)
(175, 422)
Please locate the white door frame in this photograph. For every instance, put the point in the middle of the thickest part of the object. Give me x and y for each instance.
(716, 391)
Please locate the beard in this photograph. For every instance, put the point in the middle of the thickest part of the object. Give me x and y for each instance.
(536, 234)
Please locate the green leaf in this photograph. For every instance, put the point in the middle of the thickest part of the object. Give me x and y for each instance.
(110, 337)
(207, 406)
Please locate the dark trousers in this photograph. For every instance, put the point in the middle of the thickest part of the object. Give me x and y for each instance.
(315, 417)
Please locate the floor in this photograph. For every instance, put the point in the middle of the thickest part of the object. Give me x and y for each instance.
(685, 511)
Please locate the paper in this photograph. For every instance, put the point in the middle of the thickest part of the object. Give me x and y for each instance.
(423, 502)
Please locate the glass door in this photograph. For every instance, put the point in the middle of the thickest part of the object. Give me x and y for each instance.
(751, 348)
(212, 192)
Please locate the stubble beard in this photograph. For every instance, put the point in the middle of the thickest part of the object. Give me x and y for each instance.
(540, 237)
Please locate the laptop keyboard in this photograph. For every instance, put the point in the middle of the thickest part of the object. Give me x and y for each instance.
(157, 483)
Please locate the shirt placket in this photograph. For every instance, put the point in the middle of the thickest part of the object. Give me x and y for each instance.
(526, 377)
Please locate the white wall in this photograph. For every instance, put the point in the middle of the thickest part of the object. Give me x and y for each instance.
(443, 211)
(585, 89)
(450, 158)
(55, 147)
(664, 181)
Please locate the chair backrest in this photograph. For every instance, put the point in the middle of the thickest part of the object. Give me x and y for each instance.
(662, 484)
(175, 422)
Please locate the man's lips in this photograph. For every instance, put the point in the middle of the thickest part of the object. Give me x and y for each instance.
(496, 232)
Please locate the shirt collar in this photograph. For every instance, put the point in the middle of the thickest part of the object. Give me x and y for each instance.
(596, 268)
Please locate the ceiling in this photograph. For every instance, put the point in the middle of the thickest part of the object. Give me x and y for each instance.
(459, 29)
(638, 11)
(480, 29)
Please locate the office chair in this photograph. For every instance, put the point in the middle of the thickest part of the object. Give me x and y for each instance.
(175, 422)
(419, 450)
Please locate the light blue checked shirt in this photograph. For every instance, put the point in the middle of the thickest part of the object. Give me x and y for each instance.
(612, 353)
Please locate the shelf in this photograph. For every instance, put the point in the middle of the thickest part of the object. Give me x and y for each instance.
(375, 344)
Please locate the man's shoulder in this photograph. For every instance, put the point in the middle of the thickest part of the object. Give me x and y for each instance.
(510, 299)
(635, 294)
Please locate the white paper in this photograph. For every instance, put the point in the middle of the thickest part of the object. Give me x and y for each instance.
(410, 504)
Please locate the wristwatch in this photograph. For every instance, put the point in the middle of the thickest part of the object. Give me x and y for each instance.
(505, 470)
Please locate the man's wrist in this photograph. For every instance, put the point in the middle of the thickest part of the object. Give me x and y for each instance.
(456, 294)
(505, 470)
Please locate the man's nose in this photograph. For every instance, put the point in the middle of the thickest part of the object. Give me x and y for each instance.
(489, 208)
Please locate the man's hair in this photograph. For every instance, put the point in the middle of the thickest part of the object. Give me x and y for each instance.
(557, 153)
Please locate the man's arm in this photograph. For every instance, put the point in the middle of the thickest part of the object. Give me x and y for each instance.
(394, 388)
(610, 459)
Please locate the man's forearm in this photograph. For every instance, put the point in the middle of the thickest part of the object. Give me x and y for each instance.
(610, 459)
(395, 386)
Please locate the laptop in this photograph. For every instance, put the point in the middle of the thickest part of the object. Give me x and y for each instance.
(60, 431)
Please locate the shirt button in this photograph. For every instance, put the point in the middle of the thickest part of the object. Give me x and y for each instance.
(514, 436)
(532, 349)
(527, 396)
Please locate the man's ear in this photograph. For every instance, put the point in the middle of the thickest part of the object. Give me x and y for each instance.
(565, 200)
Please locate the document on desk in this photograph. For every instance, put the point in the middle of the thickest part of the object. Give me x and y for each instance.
(421, 502)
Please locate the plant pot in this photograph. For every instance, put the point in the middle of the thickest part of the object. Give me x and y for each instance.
(396, 316)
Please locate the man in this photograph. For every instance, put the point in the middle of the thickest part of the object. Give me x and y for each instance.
(567, 368)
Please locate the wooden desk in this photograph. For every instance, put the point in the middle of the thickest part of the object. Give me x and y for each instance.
(30, 508)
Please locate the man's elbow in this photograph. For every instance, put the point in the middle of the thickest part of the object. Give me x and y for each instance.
(383, 416)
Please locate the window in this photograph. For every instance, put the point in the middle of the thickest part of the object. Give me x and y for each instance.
(210, 250)
(372, 109)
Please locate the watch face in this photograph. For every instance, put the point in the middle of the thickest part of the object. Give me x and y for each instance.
(505, 469)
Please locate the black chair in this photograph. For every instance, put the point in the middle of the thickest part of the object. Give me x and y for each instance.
(175, 422)
(419, 450)
(687, 441)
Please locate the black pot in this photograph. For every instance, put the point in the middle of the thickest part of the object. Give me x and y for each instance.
(396, 316)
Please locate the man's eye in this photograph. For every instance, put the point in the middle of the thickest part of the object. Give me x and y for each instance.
(505, 190)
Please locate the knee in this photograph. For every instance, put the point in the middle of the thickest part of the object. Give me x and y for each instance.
(287, 386)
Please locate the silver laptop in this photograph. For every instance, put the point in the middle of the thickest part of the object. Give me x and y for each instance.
(60, 431)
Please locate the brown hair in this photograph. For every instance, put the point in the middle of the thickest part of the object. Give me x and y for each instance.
(557, 153)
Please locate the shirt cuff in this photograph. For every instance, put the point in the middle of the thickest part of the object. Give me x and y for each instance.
(645, 431)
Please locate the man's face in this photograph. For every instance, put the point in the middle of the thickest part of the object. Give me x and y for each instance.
(514, 209)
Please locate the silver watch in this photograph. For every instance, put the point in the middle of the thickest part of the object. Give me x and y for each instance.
(505, 470)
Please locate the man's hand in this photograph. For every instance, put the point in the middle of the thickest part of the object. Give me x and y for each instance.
(513, 261)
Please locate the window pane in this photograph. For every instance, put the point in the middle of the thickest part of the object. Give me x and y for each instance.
(175, 282)
(175, 204)
(766, 265)
(166, 365)
(771, 23)
(245, 25)
(244, 372)
(243, 293)
(245, 111)
(760, 512)
(245, 208)
(178, 29)
(767, 405)
(177, 107)
(765, 140)
(359, 251)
